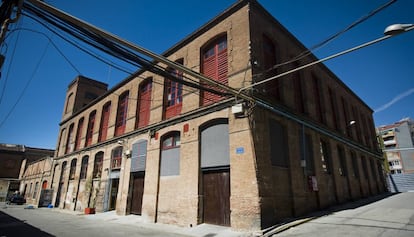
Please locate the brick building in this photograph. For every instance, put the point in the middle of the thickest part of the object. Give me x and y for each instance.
(176, 154)
(13, 161)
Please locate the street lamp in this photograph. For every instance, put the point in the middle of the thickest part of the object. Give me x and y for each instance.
(389, 32)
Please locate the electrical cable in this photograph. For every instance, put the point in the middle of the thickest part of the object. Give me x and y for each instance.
(26, 86)
(331, 38)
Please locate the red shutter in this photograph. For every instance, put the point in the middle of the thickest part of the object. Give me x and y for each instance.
(103, 131)
(215, 66)
(121, 114)
(144, 107)
(89, 133)
(79, 134)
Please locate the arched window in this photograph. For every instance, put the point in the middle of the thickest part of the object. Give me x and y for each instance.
(97, 165)
(170, 154)
(173, 93)
(103, 130)
(69, 145)
(214, 65)
(72, 169)
(144, 103)
(63, 171)
(79, 134)
(84, 167)
(116, 158)
(69, 103)
(89, 132)
(121, 114)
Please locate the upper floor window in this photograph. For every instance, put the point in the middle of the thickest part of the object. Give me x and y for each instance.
(144, 103)
(173, 95)
(89, 132)
(273, 88)
(79, 134)
(69, 103)
(215, 66)
(103, 130)
(69, 144)
(121, 114)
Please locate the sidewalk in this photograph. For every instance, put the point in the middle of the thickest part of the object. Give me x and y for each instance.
(60, 222)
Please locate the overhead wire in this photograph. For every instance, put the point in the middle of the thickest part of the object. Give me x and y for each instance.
(332, 37)
(26, 85)
(115, 49)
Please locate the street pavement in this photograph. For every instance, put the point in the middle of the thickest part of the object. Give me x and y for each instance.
(384, 215)
(19, 221)
(391, 215)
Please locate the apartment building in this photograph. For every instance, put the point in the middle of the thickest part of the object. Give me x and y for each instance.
(399, 145)
(188, 153)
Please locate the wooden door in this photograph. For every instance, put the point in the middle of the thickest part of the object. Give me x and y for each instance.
(137, 193)
(216, 197)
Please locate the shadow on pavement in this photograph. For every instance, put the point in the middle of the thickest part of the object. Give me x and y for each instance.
(12, 227)
(291, 222)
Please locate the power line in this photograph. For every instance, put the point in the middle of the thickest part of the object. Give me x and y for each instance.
(331, 38)
(26, 86)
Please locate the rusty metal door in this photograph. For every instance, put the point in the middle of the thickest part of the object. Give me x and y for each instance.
(216, 197)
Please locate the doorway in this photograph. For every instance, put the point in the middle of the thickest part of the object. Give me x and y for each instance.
(216, 197)
(137, 192)
(113, 194)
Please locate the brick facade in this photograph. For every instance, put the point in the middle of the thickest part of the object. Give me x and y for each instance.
(262, 191)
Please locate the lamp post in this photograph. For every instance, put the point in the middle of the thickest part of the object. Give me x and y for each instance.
(389, 32)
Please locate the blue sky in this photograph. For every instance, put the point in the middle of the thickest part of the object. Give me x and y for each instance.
(38, 73)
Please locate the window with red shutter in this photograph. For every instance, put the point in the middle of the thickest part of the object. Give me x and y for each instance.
(144, 103)
(173, 95)
(89, 132)
(121, 114)
(79, 134)
(215, 66)
(103, 130)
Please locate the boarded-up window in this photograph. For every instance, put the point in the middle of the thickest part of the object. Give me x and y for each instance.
(215, 145)
(139, 156)
(279, 154)
(170, 154)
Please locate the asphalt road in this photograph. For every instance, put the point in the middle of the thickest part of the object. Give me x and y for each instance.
(392, 216)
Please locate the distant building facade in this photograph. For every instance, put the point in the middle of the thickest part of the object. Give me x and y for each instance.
(399, 145)
(175, 154)
(13, 161)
